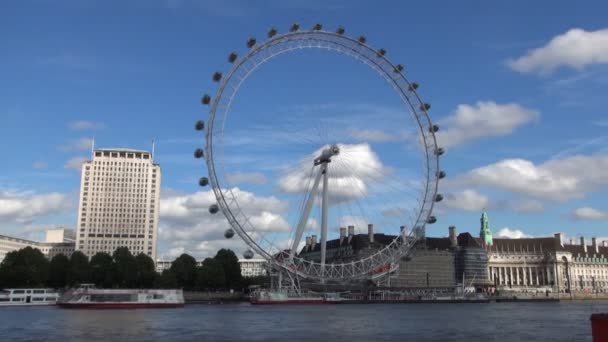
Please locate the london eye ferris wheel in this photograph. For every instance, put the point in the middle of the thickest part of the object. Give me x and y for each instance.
(380, 174)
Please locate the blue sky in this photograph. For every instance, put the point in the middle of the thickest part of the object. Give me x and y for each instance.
(525, 132)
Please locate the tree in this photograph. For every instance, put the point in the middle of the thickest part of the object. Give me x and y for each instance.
(126, 267)
(146, 271)
(26, 267)
(79, 271)
(103, 270)
(58, 271)
(231, 266)
(165, 280)
(184, 269)
(211, 275)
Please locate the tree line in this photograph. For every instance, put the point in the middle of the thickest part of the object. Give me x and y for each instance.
(28, 267)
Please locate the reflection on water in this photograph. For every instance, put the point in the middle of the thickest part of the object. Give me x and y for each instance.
(565, 321)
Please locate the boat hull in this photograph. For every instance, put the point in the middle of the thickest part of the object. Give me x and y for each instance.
(292, 302)
(119, 305)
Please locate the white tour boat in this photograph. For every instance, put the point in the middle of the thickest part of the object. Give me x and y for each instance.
(88, 297)
(25, 297)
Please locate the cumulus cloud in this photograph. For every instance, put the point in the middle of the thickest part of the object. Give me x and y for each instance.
(75, 163)
(256, 178)
(81, 144)
(576, 49)
(25, 207)
(349, 173)
(481, 120)
(469, 200)
(85, 125)
(557, 180)
(187, 226)
(527, 206)
(508, 233)
(587, 213)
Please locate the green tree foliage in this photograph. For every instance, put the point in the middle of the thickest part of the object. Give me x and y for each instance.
(211, 275)
(146, 271)
(232, 269)
(26, 267)
(166, 280)
(184, 269)
(126, 268)
(58, 271)
(103, 270)
(79, 271)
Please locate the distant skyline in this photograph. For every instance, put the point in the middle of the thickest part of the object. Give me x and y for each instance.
(517, 88)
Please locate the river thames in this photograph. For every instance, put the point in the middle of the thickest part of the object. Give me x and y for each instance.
(564, 321)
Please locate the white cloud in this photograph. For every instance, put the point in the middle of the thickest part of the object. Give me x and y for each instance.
(40, 165)
(186, 225)
(558, 180)
(587, 213)
(256, 178)
(508, 233)
(527, 206)
(469, 200)
(82, 144)
(484, 119)
(349, 173)
(576, 49)
(85, 125)
(26, 207)
(75, 163)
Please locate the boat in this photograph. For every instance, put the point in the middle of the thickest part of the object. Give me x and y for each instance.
(266, 297)
(88, 297)
(28, 297)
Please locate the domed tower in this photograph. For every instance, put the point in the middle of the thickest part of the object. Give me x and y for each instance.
(485, 233)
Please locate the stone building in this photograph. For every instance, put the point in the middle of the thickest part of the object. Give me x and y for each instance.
(58, 241)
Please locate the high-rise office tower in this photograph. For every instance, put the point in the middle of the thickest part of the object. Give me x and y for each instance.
(119, 202)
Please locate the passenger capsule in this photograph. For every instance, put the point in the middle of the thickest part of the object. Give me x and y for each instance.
(251, 42)
(214, 208)
(439, 151)
(425, 106)
(381, 53)
(317, 27)
(362, 39)
(272, 32)
(203, 181)
(294, 28)
(232, 57)
(441, 174)
(217, 76)
(340, 30)
(199, 153)
(248, 254)
(438, 197)
(398, 68)
(413, 86)
(200, 125)
(206, 99)
(229, 233)
(431, 220)
(434, 129)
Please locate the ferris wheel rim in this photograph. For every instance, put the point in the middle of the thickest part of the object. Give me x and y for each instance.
(315, 39)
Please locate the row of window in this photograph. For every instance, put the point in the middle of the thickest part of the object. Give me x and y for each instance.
(138, 155)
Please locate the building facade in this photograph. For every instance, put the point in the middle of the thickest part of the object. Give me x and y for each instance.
(55, 244)
(119, 202)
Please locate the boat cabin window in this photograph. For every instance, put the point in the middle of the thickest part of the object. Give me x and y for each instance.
(4, 299)
(159, 296)
(38, 291)
(16, 299)
(18, 291)
(37, 299)
(49, 299)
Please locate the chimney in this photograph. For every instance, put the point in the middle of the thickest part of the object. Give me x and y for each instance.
(583, 244)
(351, 233)
(605, 243)
(559, 239)
(313, 241)
(370, 232)
(594, 245)
(571, 241)
(403, 230)
(453, 239)
(308, 242)
(342, 234)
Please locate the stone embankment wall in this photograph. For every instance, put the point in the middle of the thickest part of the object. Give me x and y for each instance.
(213, 297)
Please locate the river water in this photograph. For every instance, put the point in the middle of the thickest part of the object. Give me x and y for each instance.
(564, 321)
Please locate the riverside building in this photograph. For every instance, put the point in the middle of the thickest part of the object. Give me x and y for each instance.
(58, 241)
(119, 202)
